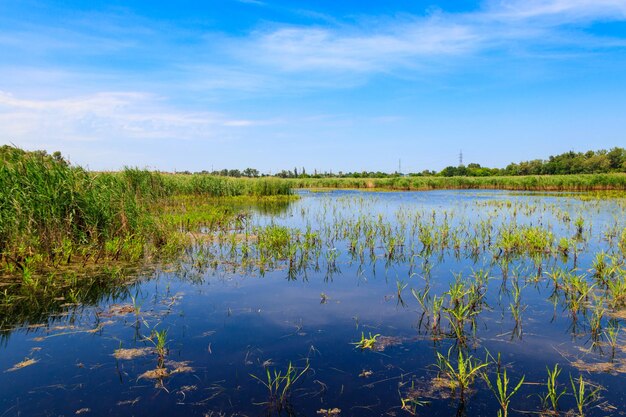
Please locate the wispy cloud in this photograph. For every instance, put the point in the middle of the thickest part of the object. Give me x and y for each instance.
(103, 116)
(254, 2)
(410, 42)
(564, 11)
(306, 49)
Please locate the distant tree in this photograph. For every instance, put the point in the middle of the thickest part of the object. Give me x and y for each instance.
(250, 172)
(449, 171)
(617, 159)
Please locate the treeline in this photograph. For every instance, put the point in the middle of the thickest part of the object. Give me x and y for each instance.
(591, 162)
(235, 173)
(568, 163)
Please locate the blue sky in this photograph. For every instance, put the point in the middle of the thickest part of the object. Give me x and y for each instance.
(348, 85)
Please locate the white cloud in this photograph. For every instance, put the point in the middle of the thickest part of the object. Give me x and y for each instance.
(565, 11)
(402, 42)
(296, 49)
(105, 117)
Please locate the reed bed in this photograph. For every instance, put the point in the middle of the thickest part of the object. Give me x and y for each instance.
(582, 182)
(54, 214)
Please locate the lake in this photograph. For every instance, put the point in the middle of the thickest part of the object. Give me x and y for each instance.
(369, 296)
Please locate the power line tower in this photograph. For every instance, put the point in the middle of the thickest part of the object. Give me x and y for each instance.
(461, 158)
(399, 166)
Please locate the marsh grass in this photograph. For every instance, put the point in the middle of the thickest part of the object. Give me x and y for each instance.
(585, 394)
(582, 182)
(54, 214)
(501, 388)
(460, 370)
(279, 385)
(550, 400)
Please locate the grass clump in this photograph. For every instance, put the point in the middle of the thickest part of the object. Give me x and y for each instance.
(51, 212)
(279, 385)
(460, 371)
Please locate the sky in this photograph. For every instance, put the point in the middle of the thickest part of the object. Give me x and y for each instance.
(347, 85)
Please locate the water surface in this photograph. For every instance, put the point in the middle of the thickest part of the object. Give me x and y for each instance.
(226, 322)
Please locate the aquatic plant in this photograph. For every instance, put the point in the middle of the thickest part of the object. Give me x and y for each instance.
(159, 339)
(597, 315)
(580, 226)
(550, 400)
(611, 334)
(460, 371)
(366, 342)
(583, 396)
(501, 388)
(400, 286)
(411, 402)
(279, 384)
(54, 214)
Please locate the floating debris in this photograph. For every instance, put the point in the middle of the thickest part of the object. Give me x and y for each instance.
(117, 310)
(179, 367)
(383, 342)
(170, 368)
(435, 388)
(129, 402)
(83, 411)
(26, 362)
(329, 412)
(616, 367)
(366, 374)
(158, 373)
(129, 354)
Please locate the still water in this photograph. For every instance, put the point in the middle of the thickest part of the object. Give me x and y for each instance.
(226, 321)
